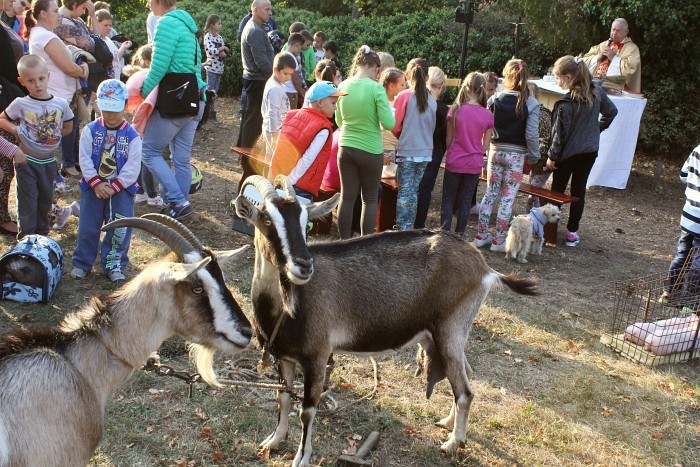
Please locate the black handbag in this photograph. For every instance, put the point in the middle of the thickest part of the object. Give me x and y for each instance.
(178, 93)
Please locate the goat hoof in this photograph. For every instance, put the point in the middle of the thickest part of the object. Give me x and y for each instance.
(300, 462)
(450, 446)
(270, 443)
(446, 423)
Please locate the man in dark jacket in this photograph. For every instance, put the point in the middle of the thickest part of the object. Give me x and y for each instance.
(257, 56)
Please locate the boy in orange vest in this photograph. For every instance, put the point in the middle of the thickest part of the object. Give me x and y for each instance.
(304, 144)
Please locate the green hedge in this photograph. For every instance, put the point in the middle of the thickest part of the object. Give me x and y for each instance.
(432, 35)
(670, 126)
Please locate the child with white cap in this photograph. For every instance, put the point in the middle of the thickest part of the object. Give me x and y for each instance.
(304, 144)
(110, 158)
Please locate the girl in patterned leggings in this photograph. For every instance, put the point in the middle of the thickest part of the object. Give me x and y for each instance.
(415, 124)
(516, 117)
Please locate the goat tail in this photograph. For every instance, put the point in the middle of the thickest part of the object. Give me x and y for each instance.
(203, 358)
(521, 286)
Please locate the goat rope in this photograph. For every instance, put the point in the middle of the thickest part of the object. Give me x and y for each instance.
(329, 403)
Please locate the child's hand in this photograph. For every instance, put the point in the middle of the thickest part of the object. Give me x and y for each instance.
(125, 46)
(19, 157)
(103, 191)
(551, 165)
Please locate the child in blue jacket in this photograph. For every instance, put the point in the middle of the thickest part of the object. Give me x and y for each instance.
(110, 159)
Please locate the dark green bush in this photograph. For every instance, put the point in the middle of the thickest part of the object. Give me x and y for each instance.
(669, 80)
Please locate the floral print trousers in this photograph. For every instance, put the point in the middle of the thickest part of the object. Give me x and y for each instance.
(504, 174)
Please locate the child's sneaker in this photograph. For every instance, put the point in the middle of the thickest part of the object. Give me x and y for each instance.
(61, 217)
(78, 273)
(572, 239)
(499, 246)
(140, 198)
(156, 202)
(75, 208)
(116, 276)
(482, 240)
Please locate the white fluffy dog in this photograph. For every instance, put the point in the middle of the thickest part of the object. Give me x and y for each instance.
(527, 230)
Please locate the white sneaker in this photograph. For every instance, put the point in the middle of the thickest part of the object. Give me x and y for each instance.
(481, 242)
(499, 247)
(75, 208)
(140, 198)
(156, 202)
(61, 217)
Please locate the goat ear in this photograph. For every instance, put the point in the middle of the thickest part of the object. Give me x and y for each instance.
(246, 210)
(176, 272)
(225, 256)
(320, 210)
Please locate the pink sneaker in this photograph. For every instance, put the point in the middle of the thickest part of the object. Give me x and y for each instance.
(572, 239)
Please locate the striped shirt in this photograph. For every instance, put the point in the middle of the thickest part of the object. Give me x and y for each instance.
(690, 175)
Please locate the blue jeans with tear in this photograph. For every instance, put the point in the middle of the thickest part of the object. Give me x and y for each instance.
(179, 134)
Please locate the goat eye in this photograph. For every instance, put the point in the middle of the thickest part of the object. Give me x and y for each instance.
(267, 222)
(198, 290)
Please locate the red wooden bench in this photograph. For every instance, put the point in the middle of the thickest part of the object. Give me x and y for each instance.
(546, 196)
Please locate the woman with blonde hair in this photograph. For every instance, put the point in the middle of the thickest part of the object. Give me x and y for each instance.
(436, 85)
(579, 118)
(360, 156)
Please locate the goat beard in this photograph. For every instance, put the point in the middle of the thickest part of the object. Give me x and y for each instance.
(203, 358)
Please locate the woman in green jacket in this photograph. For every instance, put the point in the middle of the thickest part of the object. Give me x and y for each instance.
(361, 156)
(176, 50)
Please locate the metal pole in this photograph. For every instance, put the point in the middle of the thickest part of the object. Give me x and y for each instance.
(463, 55)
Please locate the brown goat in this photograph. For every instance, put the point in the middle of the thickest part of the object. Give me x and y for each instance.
(362, 296)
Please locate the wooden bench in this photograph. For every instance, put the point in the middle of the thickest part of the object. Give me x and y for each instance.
(255, 163)
(545, 196)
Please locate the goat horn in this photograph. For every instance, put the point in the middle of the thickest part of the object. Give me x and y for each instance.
(282, 182)
(266, 189)
(170, 237)
(177, 226)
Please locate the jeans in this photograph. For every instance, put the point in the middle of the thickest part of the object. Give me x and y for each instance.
(409, 175)
(213, 83)
(70, 146)
(457, 187)
(425, 189)
(179, 134)
(577, 168)
(94, 213)
(147, 182)
(686, 241)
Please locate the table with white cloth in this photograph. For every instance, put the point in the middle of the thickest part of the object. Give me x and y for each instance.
(617, 143)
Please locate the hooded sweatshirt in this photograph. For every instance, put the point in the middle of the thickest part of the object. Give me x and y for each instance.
(176, 49)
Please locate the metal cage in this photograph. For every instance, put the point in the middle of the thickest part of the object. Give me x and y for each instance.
(656, 318)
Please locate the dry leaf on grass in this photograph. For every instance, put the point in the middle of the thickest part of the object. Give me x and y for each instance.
(350, 451)
(264, 454)
(149, 429)
(201, 414)
(217, 456)
(607, 412)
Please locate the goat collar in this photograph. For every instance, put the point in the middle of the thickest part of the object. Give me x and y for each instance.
(98, 336)
(266, 360)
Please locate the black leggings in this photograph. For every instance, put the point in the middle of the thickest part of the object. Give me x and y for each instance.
(576, 168)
